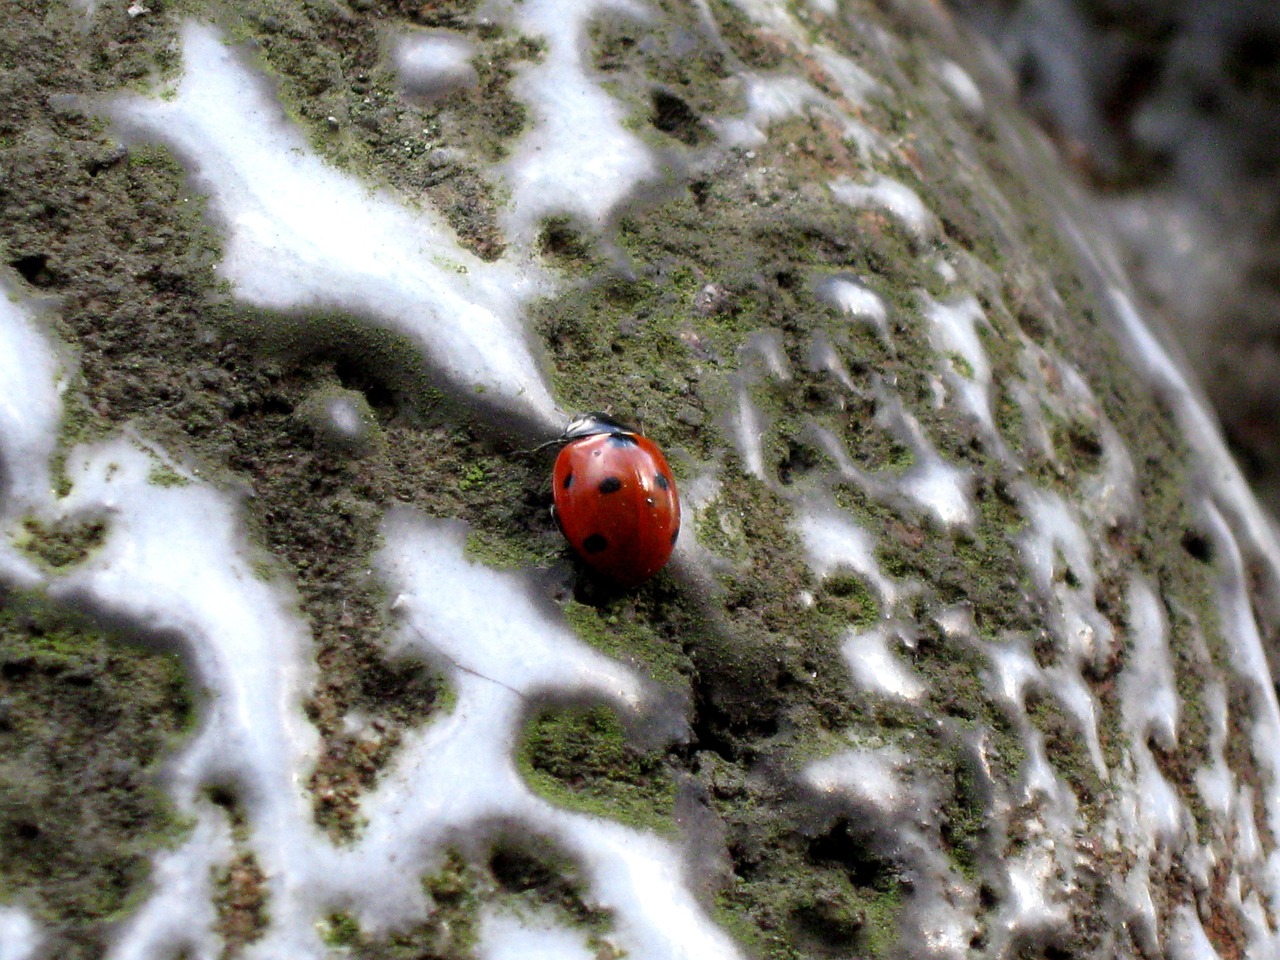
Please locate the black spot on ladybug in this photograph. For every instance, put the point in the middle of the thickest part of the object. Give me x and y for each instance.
(610, 485)
(675, 533)
(594, 543)
(662, 482)
(622, 440)
(568, 481)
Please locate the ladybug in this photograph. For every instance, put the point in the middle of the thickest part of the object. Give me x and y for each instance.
(615, 500)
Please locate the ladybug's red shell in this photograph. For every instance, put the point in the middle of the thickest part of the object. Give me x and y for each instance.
(617, 505)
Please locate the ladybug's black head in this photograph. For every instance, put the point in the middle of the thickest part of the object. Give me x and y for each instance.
(591, 424)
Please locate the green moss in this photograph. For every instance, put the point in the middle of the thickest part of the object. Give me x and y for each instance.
(519, 874)
(879, 925)
(495, 551)
(1009, 418)
(341, 930)
(343, 354)
(455, 890)
(1078, 446)
(847, 601)
(221, 385)
(84, 723)
(317, 411)
(337, 84)
(163, 475)
(672, 81)
(620, 632)
(62, 546)
(964, 816)
(1065, 745)
(722, 531)
(953, 672)
(1242, 703)
(562, 244)
(750, 44)
(982, 568)
(962, 365)
(581, 759)
(658, 340)
(78, 424)
(155, 159)
(473, 475)
(532, 871)
(451, 14)
(240, 901)
(844, 901)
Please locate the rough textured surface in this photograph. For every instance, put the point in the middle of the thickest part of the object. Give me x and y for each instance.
(962, 652)
(1171, 111)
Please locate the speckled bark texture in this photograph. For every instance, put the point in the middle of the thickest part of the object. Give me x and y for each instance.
(963, 649)
(1171, 111)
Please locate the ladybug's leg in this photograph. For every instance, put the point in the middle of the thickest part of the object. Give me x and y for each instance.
(556, 517)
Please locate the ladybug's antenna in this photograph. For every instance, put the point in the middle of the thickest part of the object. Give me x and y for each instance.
(554, 441)
(589, 424)
(540, 447)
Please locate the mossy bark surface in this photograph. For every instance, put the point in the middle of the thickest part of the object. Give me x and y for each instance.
(698, 307)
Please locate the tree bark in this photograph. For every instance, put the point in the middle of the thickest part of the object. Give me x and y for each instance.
(964, 647)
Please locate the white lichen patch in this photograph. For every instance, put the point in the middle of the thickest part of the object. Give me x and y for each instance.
(856, 84)
(499, 647)
(177, 562)
(30, 386)
(857, 301)
(928, 482)
(179, 915)
(939, 487)
(1059, 558)
(1248, 529)
(962, 87)
(769, 99)
(764, 349)
(430, 63)
(1063, 549)
(879, 784)
(346, 419)
(19, 937)
(776, 96)
(1188, 940)
(1150, 706)
(824, 356)
(1042, 803)
(1214, 781)
(698, 499)
(954, 332)
(300, 235)
(869, 776)
(892, 197)
(747, 426)
(832, 540)
(579, 158)
(877, 669)
(509, 936)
